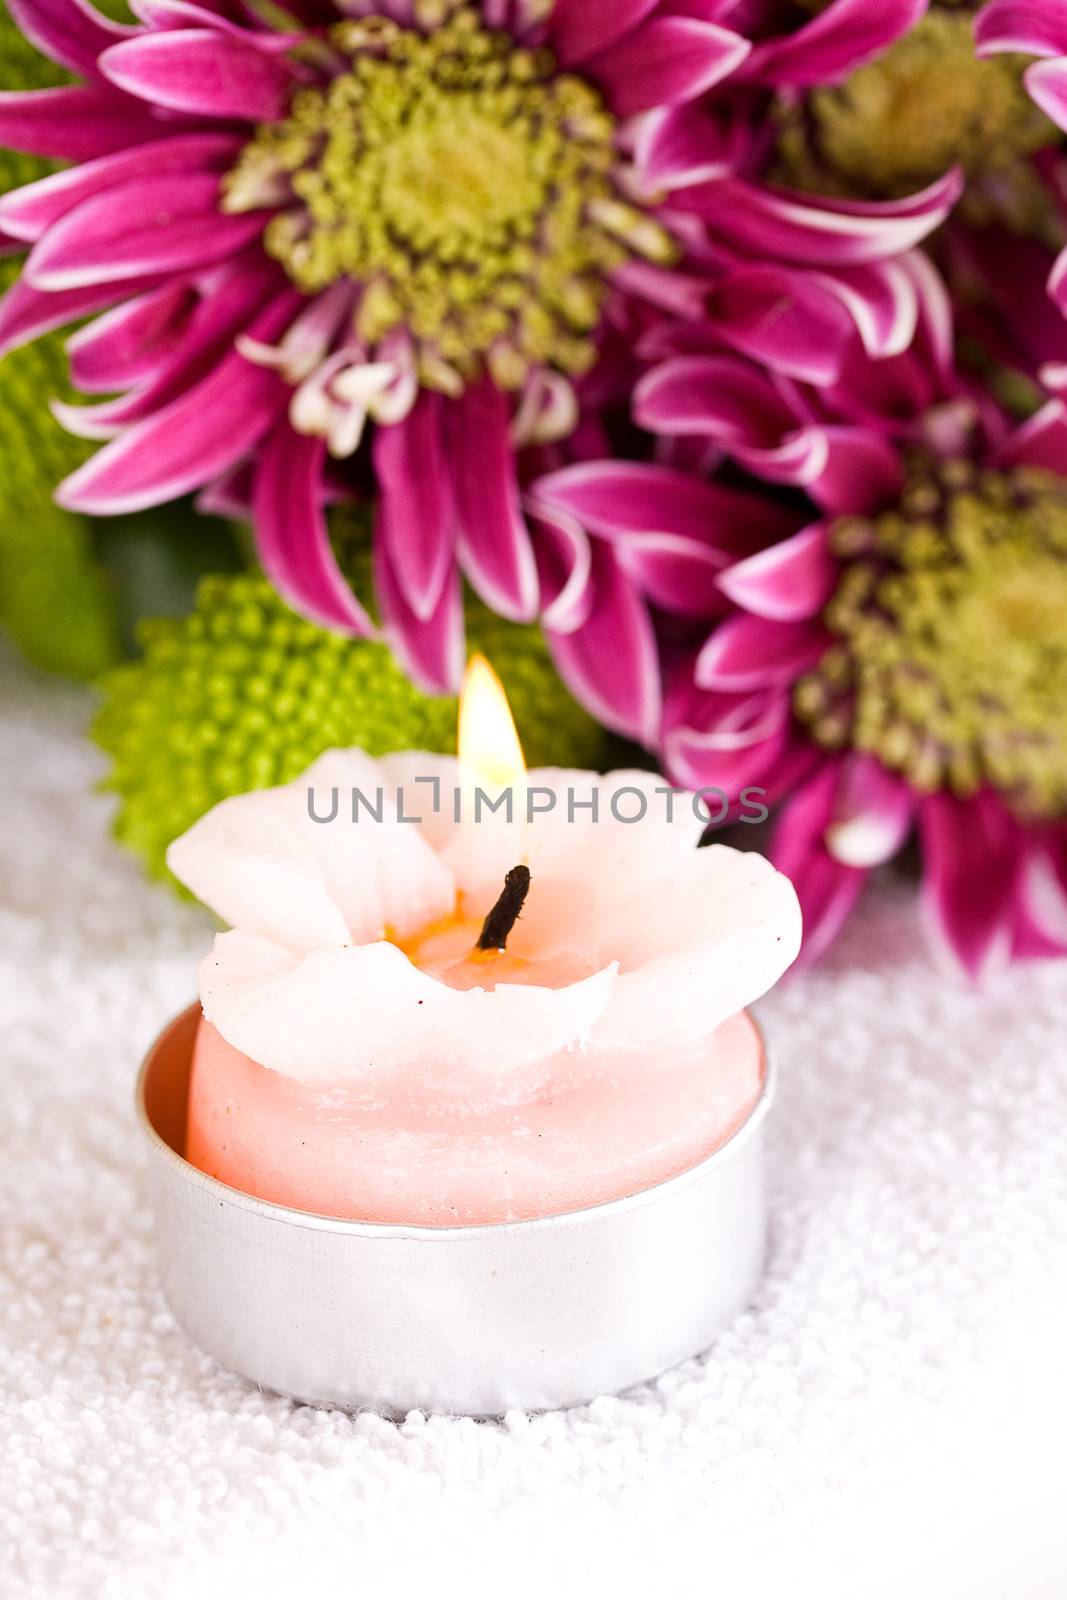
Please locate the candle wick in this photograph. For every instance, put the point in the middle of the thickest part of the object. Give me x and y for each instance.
(504, 915)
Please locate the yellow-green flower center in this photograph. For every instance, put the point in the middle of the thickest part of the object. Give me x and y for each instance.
(465, 184)
(926, 104)
(950, 661)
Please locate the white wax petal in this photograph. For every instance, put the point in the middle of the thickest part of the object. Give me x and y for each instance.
(423, 777)
(263, 864)
(702, 951)
(677, 939)
(381, 874)
(247, 862)
(365, 1013)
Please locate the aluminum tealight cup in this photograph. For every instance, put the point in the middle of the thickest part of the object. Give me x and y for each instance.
(475, 1320)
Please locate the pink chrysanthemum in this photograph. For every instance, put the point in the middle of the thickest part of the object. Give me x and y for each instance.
(1037, 28)
(449, 221)
(958, 90)
(898, 662)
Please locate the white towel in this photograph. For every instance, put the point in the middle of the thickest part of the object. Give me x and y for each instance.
(888, 1419)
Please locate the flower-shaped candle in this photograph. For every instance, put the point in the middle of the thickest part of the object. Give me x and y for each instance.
(455, 993)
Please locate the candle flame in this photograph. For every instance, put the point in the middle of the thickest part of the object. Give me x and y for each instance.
(489, 746)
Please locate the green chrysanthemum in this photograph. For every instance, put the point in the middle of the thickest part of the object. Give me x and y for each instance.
(243, 694)
(53, 597)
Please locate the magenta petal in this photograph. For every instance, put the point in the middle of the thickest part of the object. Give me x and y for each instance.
(672, 533)
(29, 211)
(793, 764)
(673, 572)
(747, 14)
(827, 889)
(839, 39)
(625, 496)
(579, 28)
(229, 496)
(1041, 920)
(145, 225)
(1038, 337)
(124, 346)
(103, 421)
(193, 440)
(225, 306)
(201, 70)
(564, 567)
(74, 123)
(620, 498)
(1027, 27)
(1047, 83)
(790, 582)
(783, 319)
(872, 816)
(430, 647)
(417, 509)
(863, 470)
(666, 339)
(1032, 942)
(713, 396)
(667, 61)
(1057, 284)
(936, 330)
(972, 864)
(611, 663)
(799, 459)
(167, 15)
(680, 145)
(1041, 441)
(492, 540)
(725, 775)
(71, 32)
(291, 536)
(883, 301)
(823, 233)
(680, 293)
(725, 741)
(901, 395)
(25, 312)
(745, 651)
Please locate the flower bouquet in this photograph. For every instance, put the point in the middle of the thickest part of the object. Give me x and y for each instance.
(703, 361)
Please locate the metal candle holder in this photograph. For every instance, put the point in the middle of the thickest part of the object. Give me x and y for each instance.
(476, 1319)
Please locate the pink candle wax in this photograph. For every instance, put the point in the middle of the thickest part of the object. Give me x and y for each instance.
(359, 1058)
(400, 1158)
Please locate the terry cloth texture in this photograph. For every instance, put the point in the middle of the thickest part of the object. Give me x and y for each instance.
(888, 1419)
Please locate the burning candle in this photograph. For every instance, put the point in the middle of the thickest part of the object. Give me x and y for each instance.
(453, 992)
